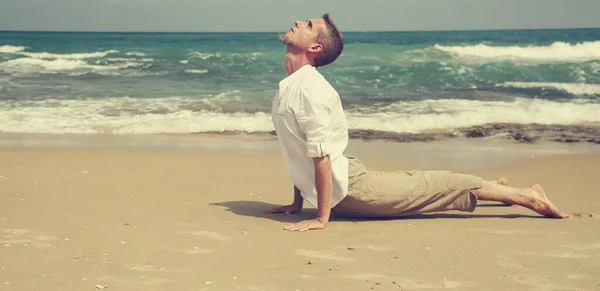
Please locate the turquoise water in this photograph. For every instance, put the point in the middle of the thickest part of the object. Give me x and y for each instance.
(390, 81)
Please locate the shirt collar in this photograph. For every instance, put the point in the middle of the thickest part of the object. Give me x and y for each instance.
(295, 75)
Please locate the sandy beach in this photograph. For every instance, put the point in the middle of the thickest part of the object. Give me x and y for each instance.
(90, 213)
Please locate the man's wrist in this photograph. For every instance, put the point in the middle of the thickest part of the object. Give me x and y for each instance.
(322, 219)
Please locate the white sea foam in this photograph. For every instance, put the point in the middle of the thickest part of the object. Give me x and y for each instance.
(98, 116)
(556, 52)
(580, 75)
(8, 49)
(169, 115)
(35, 65)
(595, 67)
(417, 116)
(204, 56)
(136, 54)
(118, 59)
(29, 64)
(573, 88)
(196, 71)
(147, 60)
(226, 96)
(77, 56)
(251, 56)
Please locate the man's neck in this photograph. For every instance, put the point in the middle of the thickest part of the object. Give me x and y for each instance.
(294, 61)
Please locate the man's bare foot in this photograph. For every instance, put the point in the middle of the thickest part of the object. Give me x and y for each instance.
(542, 205)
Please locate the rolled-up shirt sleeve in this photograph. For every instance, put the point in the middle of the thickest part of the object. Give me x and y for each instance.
(314, 115)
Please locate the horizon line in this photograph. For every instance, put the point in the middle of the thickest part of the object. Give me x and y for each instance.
(249, 32)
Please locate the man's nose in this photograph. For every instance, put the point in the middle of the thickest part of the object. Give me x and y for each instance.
(298, 23)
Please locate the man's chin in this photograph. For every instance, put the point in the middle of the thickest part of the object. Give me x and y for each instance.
(284, 38)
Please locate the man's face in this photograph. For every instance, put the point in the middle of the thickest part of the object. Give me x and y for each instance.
(303, 33)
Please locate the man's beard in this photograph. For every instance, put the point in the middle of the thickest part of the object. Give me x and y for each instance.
(284, 38)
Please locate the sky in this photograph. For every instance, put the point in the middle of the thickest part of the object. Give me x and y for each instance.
(278, 15)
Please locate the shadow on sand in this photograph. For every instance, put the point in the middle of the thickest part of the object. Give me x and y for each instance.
(256, 208)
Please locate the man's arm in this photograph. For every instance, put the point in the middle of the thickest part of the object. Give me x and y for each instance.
(293, 208)
(298, 199)
(323, 183)
(323, 174)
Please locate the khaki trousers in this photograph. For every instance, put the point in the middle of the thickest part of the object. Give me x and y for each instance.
(402, 193)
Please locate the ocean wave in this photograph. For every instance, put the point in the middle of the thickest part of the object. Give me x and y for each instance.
(146, 60)
(595, 68)
(76, 56)
(29, 64)
(8, 49)
(204, 56)
(136, 54)
(74, 64)
(196, 71)
(556, 52)
(572, 88)
(181, 115)
(251, 56)
(419, 116)
(122, 116)
(35, 65)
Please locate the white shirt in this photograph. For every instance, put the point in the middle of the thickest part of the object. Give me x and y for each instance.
(309, 120)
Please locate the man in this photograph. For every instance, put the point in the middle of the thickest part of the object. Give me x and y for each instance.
(311, 127)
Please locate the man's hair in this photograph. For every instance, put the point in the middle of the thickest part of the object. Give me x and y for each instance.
(332, 41)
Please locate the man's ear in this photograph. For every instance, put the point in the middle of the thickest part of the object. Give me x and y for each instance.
(316, 48)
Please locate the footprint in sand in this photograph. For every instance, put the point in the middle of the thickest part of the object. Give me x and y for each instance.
(580, 215)
(143, 280)
(578, 277)
(403, 283)
(324, 255)
(512, 232)
(503, 232)
(538, 283)
(362, 277)
(508, 262)
(144, 268)
(584, 247)
(530, 280)
(154, 269)
(193, 251)
(452, 284)
(155, 281)
(369, 247)
(211, 235)
(565, 255)
(26, 237)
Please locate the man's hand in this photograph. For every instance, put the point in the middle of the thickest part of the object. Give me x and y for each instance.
(287, 210)
(293, 208)
(305, 225)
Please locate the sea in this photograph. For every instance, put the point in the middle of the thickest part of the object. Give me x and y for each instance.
(404, 86)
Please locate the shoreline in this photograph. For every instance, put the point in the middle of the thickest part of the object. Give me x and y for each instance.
(452, 154)
(524, 133)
